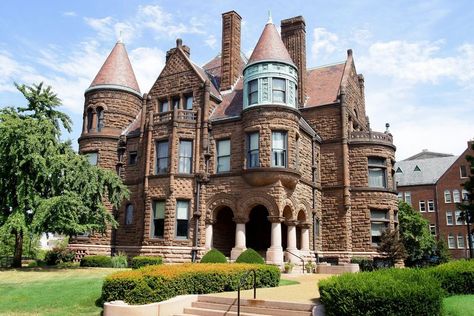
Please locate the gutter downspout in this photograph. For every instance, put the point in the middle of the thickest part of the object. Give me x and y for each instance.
(345, 163)
(313, 180)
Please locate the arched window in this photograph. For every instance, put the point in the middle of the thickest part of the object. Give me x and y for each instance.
(100, 119)
(129, 214)
(90, 116)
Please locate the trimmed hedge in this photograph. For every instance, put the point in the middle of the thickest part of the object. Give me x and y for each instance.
(159, 283)
(143, 261)
(96, 261)
(382, 292)
(456, 277)
(250, 256)
(214, 256)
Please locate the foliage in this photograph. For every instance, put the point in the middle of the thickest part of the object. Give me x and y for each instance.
(458, 305)
(467, 207)
(441, 251)
(309, 266)
(214, 256)
(365, 264)
(158, 283)
(46, 186)
(289, 267)
(31, 246)
(58, 255)
(250, 256)
(414, 234)
(142, 261)
(120, 260)
(382, 292)
(456, 277)
(96, 261)
(391, 246)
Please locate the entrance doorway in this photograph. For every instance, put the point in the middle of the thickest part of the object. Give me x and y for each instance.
(223, 233)
(258, 229)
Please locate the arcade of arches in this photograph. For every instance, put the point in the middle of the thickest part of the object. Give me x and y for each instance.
(272, 236)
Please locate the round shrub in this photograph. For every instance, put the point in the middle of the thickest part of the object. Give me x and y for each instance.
(456, 277)
(382, 292)
(120, 260)
(250, 256)
(142, 261)
(214, 256)
(58, 255)
(96, 261)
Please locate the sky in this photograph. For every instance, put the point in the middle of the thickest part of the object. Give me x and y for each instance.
(417, 57)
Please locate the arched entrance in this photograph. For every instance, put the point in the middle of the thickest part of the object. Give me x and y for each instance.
(224, 231)
(258, 229)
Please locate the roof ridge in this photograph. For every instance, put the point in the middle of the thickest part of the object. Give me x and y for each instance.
(326, 65)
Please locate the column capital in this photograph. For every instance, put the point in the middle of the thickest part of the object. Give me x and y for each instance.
(275, 219)
(210, 221)
(240, 220)
(304, 224)
(291, 223)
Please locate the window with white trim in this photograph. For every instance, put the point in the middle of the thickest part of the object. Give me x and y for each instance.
(279, 90)
(459, 220)
(463, 171)
(447, 196)
(379, 221)
(408, 198)
(422, 205)
(185, 156)
(451, 241)
(460, 241)
(253, 92)
(182, 219)
(456, 196)
(223, 155)
(400, 196)
(433, 229)
(449, 218)
(431, 206)
(158, 219)
(377, 172)
(279, 149)
(252, 150)
(465, 195)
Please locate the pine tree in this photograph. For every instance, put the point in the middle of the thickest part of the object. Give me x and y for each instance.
(467, 206)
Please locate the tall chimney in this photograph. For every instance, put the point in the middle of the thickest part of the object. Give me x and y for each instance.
(293, 34)
(230, 56)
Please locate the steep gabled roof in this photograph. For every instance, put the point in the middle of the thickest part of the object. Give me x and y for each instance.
(430, 170)
(323, 84)
(116, 71)
(425, 154)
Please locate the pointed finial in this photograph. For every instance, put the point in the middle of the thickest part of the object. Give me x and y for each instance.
(120, 39)
(270, 21)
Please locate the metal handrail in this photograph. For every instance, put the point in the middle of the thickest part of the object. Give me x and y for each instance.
(298, 258)
(243, 278)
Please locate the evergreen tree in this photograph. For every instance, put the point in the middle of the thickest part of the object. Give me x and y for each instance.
(467, 206)
(392, 246)
(44, 185)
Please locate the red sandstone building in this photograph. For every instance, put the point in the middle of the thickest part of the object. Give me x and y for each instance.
(258, 153)
(432, 184)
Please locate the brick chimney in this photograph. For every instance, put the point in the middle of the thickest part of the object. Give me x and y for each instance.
(293, 34)
(230, 57)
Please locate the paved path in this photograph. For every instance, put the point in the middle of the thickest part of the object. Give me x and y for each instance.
(305, 292)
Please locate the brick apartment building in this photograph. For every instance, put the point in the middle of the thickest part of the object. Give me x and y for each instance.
(432, 184)
(258, 153)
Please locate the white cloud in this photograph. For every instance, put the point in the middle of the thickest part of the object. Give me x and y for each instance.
(324, 43)
(211, 41)
(147, 64)
(69, 13)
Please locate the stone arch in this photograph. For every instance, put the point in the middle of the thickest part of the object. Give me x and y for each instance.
(217, 202)
(254, 200)
(288, 205)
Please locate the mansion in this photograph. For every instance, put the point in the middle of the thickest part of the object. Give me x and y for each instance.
(259, 152)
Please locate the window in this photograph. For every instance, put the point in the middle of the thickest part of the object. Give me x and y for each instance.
(223, 155)
(253, 92)
(377, 177)
(100, 119)
(433, 229)
(176, 103)
(252, 152)
(132, 158)
(408, 198)
(92, 157)
(189, 103)
(459, 220)
(182, 216)
(129, 214)
(162, 157)
(451, 242)
(431, 206)
(279, 90)
(456, 196)
(449, 218)
(399, 170)
(465, 195)
(279, 144)
(400, 196)
(185, 156)
(463, 171)
(378, 223)
(164, 106)
(422, 206)
(461, 241)
(447, 196)
(158, 216)
(90, 117)
(417, 168)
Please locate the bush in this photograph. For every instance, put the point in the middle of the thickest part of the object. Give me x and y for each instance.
(143, 261)
(158, 283)
(365, 264)
(214, 256)
(120, 260)
(96, 261)
(59, 255)
(456, 277)
(382, 292)
(250, 256)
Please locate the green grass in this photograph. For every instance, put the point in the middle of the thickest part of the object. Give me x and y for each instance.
(51, 291)
(459, 305)
(287, 282)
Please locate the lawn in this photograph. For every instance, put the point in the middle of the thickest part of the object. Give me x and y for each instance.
(458, 305)
(51, 291)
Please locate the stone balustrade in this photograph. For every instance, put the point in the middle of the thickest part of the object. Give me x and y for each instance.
(371, 136)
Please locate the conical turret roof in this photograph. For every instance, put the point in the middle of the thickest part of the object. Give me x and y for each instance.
(116, 71)
(270, 47)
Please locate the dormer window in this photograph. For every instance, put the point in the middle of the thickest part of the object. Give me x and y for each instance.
(279, 90)
(253, 92)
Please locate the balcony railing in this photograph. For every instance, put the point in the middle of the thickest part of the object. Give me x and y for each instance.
(186, 116)
(371, 136)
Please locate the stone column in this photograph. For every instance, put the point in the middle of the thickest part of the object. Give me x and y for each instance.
(240, 240)
(305, 237)
(291, 242)
(275, 252)
(209, 228)
(94, 121)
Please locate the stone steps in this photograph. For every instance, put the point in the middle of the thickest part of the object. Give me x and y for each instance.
(220, 306)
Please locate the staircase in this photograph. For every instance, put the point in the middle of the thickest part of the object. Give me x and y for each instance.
(223, 306)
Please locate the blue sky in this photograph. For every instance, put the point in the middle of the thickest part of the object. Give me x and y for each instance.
(417, 57)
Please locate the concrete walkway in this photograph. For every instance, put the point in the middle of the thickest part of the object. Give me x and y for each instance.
(304, 292)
